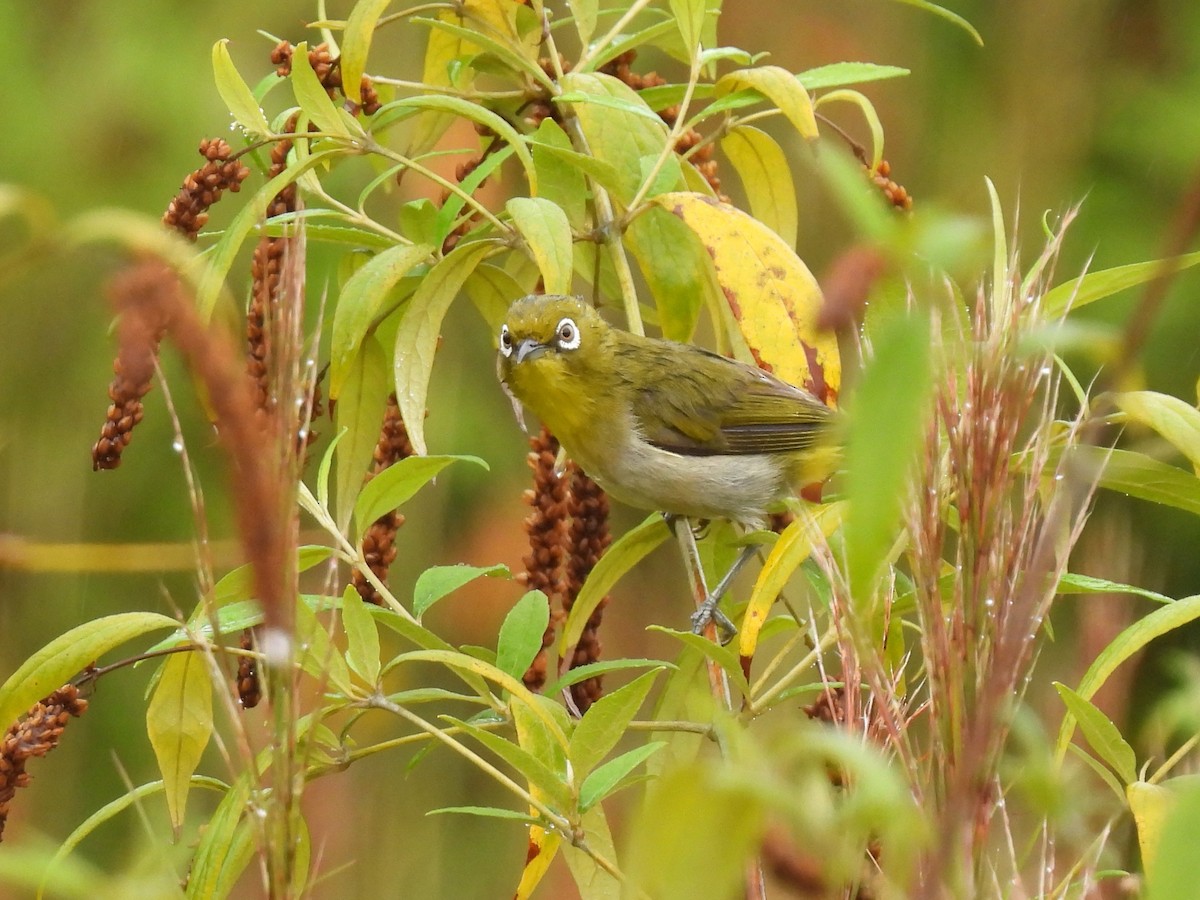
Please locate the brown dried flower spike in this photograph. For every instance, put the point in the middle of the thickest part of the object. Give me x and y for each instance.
(187, 213)
(34, 735)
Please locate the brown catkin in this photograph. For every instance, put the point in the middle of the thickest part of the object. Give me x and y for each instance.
(187, 212)
(249, 686)
(895, 193)
(546, 526)
(587, 505)
(266, 271)
(133, 373)
(35, 734)
(329, 72)
(379, 543)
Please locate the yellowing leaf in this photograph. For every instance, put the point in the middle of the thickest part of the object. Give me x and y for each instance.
(794, 546)
(179, 723)
(781, 88)
(361, 301)
(312, 97)
(1149, 804)
(356, 42)
(547, 234)
(236, 93)
(767, 179)
(416, 338)
(1177, 421)
(772, 295)
(543, 847)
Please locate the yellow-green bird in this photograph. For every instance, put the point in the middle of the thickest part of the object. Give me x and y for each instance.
(662, 425)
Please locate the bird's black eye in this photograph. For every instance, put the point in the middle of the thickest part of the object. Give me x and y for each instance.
(567, 335)
(506, 344)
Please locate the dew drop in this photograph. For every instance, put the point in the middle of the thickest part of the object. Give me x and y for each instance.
(177, 445)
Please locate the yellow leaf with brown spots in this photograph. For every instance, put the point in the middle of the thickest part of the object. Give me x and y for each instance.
(773, 297)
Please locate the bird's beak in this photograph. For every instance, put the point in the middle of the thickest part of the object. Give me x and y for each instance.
(528, 348)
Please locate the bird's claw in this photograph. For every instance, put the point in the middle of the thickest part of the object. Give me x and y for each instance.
(707, 612)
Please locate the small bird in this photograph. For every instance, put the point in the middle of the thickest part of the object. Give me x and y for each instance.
(662, 425)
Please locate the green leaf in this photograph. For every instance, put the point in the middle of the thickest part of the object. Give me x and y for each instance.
(110, 811)
(360, 410)
(943, 13)
(1073, 583)
(697, 836)
(493, 290)
(614, 102)
(489, 812)
(360, 303)
(1098, 285)
(312, 97)
(1103, 772)
(724, 657)
(539, 775)
(592, 881)
(226, 846)
(416, 338)
(239, 583)
(1137, 475)
(689, 16)
(398, 482)
(604, 667)
(63, 658)
(845, 73)
(766, 176)
(473, 112)
(1150, 805)
(235, 93)
(618, 126)
(1176, 421)
(510, 54)
(547, 233)
(179, 723)
(782, 89)
(362, 636)
(1161, 621)
(316, 653)
(437, 581)
(323, 470)
(624, 553)
(249, 217)
(870, 116)
(610, 777)
(675, 266)
(604, 724)
(450, 213)
(521, 633)
(356, 43)
(560, 177)
(885, 431)
(1101, 733)
(584, 13)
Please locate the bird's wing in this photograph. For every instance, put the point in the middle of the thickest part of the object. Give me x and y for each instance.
(703, 404)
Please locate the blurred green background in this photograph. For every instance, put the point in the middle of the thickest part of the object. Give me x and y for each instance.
(1068, 101)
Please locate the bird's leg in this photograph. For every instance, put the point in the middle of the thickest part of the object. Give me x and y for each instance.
(707, 609)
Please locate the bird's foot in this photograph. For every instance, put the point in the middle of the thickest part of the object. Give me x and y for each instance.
(707, 612)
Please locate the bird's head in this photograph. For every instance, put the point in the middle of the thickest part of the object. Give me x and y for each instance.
(554, 355)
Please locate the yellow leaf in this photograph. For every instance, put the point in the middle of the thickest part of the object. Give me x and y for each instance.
(543, 847)
(782, 88)
(794, 546)
(766, 177)
(179, 722)
(773, 297)
(1149, 804)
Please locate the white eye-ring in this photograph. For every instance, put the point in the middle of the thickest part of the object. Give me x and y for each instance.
(506, 344)
(567, 335)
